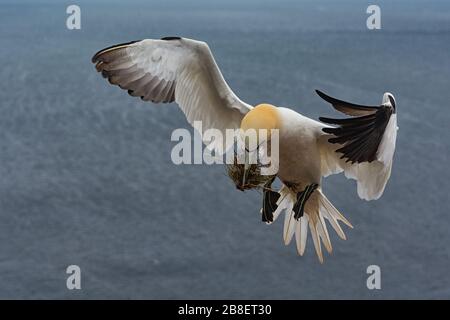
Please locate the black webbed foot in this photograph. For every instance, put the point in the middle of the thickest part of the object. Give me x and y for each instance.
(270, 199)
(302, 197)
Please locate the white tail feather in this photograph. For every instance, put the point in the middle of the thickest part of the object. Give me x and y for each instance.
(334, 223)
(285, 202)
(317, 209)
(323, 232)
(289, 227)
(316, 241)
(301, 234)
(331, 210)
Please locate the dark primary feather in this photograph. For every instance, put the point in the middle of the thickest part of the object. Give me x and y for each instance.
(348, 108)
(359, 136)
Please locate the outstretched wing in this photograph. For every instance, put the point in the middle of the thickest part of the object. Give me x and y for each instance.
(362, 146)
(174, 69)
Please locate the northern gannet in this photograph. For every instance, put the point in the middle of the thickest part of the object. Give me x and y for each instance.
(362, 145)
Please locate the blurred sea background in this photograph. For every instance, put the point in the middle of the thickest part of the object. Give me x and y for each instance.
(86, 176)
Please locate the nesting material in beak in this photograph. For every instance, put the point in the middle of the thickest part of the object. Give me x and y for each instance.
(247, 176)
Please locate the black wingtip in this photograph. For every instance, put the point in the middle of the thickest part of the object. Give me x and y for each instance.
(171, 38)
(328, 120)
(94, 58)
(326, 97)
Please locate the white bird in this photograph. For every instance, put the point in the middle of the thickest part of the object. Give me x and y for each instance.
(362, 146)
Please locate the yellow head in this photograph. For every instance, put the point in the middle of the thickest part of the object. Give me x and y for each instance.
(262, 117)
(256, 128)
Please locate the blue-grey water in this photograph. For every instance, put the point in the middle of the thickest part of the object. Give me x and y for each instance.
(86, 176)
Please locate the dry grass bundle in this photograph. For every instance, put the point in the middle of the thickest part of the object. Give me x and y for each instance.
(254, 179)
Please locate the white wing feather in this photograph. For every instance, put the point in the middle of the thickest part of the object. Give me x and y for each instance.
(183, 70)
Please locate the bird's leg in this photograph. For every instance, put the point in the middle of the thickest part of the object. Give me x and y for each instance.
(270, 199)
(302, 197)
